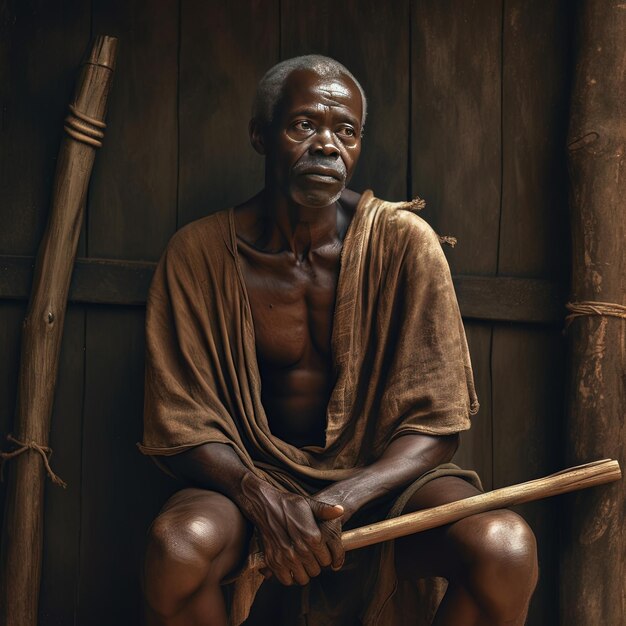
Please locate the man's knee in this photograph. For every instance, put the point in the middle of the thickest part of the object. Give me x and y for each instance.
(190, 545)
(498, 555)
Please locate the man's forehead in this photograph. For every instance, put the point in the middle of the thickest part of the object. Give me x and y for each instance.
(307, 86)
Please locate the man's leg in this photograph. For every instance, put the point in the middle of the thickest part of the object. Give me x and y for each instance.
(489, 559)
(198, 539)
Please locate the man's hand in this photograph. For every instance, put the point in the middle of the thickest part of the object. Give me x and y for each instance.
(300, 535)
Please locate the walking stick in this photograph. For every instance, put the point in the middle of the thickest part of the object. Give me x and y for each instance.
(22, 538)
(580, 477)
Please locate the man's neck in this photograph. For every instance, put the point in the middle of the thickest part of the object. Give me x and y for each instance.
(296, 228)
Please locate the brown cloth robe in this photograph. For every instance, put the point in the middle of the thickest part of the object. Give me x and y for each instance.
(399, 351)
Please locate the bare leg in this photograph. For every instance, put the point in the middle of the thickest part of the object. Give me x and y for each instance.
(196, 541)
(489, 560)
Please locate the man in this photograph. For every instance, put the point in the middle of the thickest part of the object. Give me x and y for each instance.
(307, 369)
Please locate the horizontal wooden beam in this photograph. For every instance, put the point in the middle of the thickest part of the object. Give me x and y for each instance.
(107, 281)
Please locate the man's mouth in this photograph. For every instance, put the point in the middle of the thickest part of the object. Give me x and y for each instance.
(322, 174)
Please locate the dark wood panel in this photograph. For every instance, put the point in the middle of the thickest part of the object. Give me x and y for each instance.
(106, 281)
(11, 316)
(475, 449)
(534, 224)
(41, 45)
(372, 40)
(455, 124)
(528, 364)
(60, 573)
(132, 203)
(225, 48)
(528, 370)
(122, 490)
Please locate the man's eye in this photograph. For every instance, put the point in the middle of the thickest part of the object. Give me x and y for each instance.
(303, 125)
(347, 131)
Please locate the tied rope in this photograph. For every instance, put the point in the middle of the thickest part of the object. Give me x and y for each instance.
(591, 307)
(44, 451)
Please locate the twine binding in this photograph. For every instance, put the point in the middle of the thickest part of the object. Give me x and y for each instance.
(592, 307)
(44, 451)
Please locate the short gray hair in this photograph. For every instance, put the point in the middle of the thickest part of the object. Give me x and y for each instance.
(270, 87)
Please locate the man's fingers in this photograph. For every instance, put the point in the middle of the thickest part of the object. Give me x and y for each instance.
(324, 511)
(331, 532)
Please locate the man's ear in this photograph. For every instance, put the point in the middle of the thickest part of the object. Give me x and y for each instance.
(255, 130)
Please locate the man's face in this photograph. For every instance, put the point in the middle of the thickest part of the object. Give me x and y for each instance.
(314, 142)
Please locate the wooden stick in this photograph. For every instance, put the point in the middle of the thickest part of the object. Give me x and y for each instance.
(581, 477)
(20, 569)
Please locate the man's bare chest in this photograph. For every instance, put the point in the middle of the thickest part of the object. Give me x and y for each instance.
(292, 306)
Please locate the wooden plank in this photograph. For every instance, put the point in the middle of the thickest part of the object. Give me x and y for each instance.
(528, 375)
(106, 281)
(534, 224)
(528, 362)
(11, 316)
(132, 204)
(225, 48)
(122, 490)
(325, 27)
(508, 299)
(455, 125)
(41, 45)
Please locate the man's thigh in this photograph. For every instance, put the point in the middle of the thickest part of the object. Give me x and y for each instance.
(433, 552)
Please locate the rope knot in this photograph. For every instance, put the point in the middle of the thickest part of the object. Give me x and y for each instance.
(44, 451)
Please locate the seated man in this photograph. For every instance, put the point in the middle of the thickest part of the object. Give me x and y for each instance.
(306, 369)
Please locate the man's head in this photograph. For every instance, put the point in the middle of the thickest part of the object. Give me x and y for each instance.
(307, 120)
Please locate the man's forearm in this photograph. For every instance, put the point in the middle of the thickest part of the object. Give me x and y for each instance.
(214, 466)
(404, 460)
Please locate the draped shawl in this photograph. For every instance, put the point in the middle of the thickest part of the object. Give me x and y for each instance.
(401, 363)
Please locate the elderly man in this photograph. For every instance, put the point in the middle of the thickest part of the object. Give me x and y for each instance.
(306, 370)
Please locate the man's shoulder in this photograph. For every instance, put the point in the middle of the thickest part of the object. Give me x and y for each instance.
(399, 223)
(204, 235)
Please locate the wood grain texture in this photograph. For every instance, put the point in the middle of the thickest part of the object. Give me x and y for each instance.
(534, 231)
(132, 205)
(372, 40)
(122, 490)
(593, 561)
(225, 48)
(455, 125)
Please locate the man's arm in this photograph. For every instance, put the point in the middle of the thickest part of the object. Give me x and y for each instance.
(405, 459)
(299, 535)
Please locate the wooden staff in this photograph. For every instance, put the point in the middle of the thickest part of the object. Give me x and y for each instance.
(593, 546)
(20, 569)
(581, 477)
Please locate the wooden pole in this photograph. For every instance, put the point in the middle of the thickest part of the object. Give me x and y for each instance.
(20, 568)
(573, 479)
(593, 548)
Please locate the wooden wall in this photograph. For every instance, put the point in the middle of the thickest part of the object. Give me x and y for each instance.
(468, 109)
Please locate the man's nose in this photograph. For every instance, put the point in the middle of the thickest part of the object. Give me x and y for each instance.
(324, 143)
